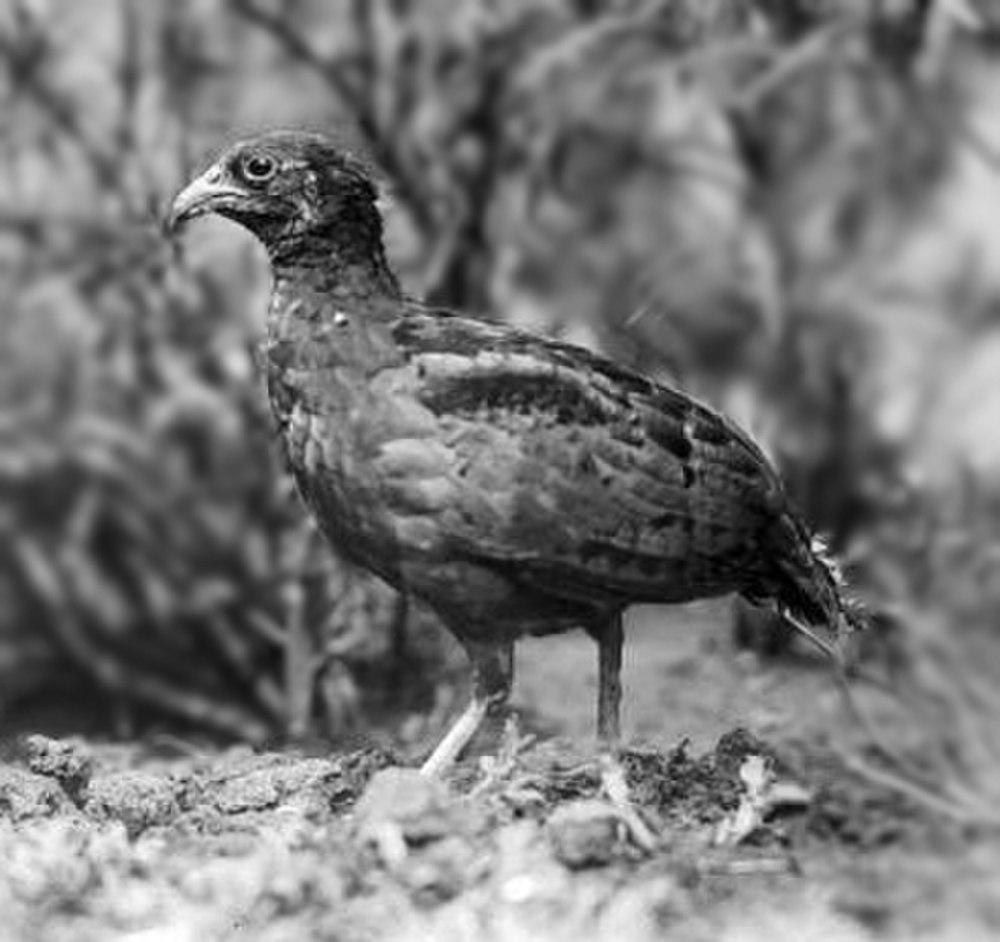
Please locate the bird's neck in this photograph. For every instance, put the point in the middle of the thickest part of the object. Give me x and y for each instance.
(344, 281)
(333, 317)
(344, 258)
(334, 296)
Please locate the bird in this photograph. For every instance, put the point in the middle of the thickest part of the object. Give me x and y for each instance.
(516, 484)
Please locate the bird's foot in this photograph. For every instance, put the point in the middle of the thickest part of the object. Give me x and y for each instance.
(615, 787)
(499, 767)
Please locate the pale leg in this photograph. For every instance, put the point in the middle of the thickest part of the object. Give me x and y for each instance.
(494, 671)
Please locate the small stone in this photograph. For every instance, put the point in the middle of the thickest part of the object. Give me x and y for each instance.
(418, 805)
(253, 791)
(24, 796)
(65, 760)
(137, 799)
(439, 872)
(583, 833)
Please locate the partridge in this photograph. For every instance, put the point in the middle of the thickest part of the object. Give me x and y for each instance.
(517, 485)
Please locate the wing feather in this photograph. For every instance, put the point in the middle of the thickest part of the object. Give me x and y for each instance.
(582, 473)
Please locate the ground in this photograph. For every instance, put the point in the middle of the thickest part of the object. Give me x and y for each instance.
(740, 823)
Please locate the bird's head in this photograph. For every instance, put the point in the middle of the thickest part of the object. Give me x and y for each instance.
(292, 190)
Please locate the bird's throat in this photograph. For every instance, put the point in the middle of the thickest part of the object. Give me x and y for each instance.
(341, 258)
(342, 275)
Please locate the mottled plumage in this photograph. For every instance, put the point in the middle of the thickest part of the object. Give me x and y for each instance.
(516, 484)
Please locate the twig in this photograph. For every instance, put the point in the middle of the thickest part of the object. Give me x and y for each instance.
(572, 46)
(748, 867)
(963, 803)
(616, 788)
(811, 49)
(32, 224)
(986, 150)
(978, 814)
(295, 44)
(833, 653)
(266, 628)
(235, 654)
(499, 768)
(300, 671)
(62, 112)
(136, 684)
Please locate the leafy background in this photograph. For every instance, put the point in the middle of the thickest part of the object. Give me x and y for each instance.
(789, 208)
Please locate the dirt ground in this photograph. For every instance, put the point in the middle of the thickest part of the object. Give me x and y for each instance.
(736, 820)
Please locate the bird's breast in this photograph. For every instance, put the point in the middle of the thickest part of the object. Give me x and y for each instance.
(364, 454)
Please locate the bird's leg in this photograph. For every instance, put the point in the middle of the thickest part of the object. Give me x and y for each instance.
(609, 639)
(493, 667)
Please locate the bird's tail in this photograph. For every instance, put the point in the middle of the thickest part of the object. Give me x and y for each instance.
(812, 594)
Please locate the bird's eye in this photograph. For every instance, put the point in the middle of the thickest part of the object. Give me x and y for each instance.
(259, 168)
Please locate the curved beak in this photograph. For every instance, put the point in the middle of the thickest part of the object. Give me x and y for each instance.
(203, 195)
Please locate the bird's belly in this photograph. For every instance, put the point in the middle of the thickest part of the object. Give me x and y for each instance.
(398, 535)
(481, 603)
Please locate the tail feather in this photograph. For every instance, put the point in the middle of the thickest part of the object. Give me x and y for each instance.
(810, 589)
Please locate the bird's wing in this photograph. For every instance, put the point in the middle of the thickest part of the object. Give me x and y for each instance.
(576, 471)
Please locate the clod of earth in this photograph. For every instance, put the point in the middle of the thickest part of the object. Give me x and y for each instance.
(584, 833)
(354, 846)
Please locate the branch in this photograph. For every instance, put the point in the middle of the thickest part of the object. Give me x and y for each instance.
(963, 813)
(237, 656)
(988, 151)
(297, 46)
(32, 224)
(814, 48)
(109, 673)
(951, 799)
(62, 112)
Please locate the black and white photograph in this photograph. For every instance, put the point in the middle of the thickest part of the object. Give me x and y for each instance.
(499, 470)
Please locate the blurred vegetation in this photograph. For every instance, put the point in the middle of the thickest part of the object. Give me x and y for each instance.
(784, 206)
